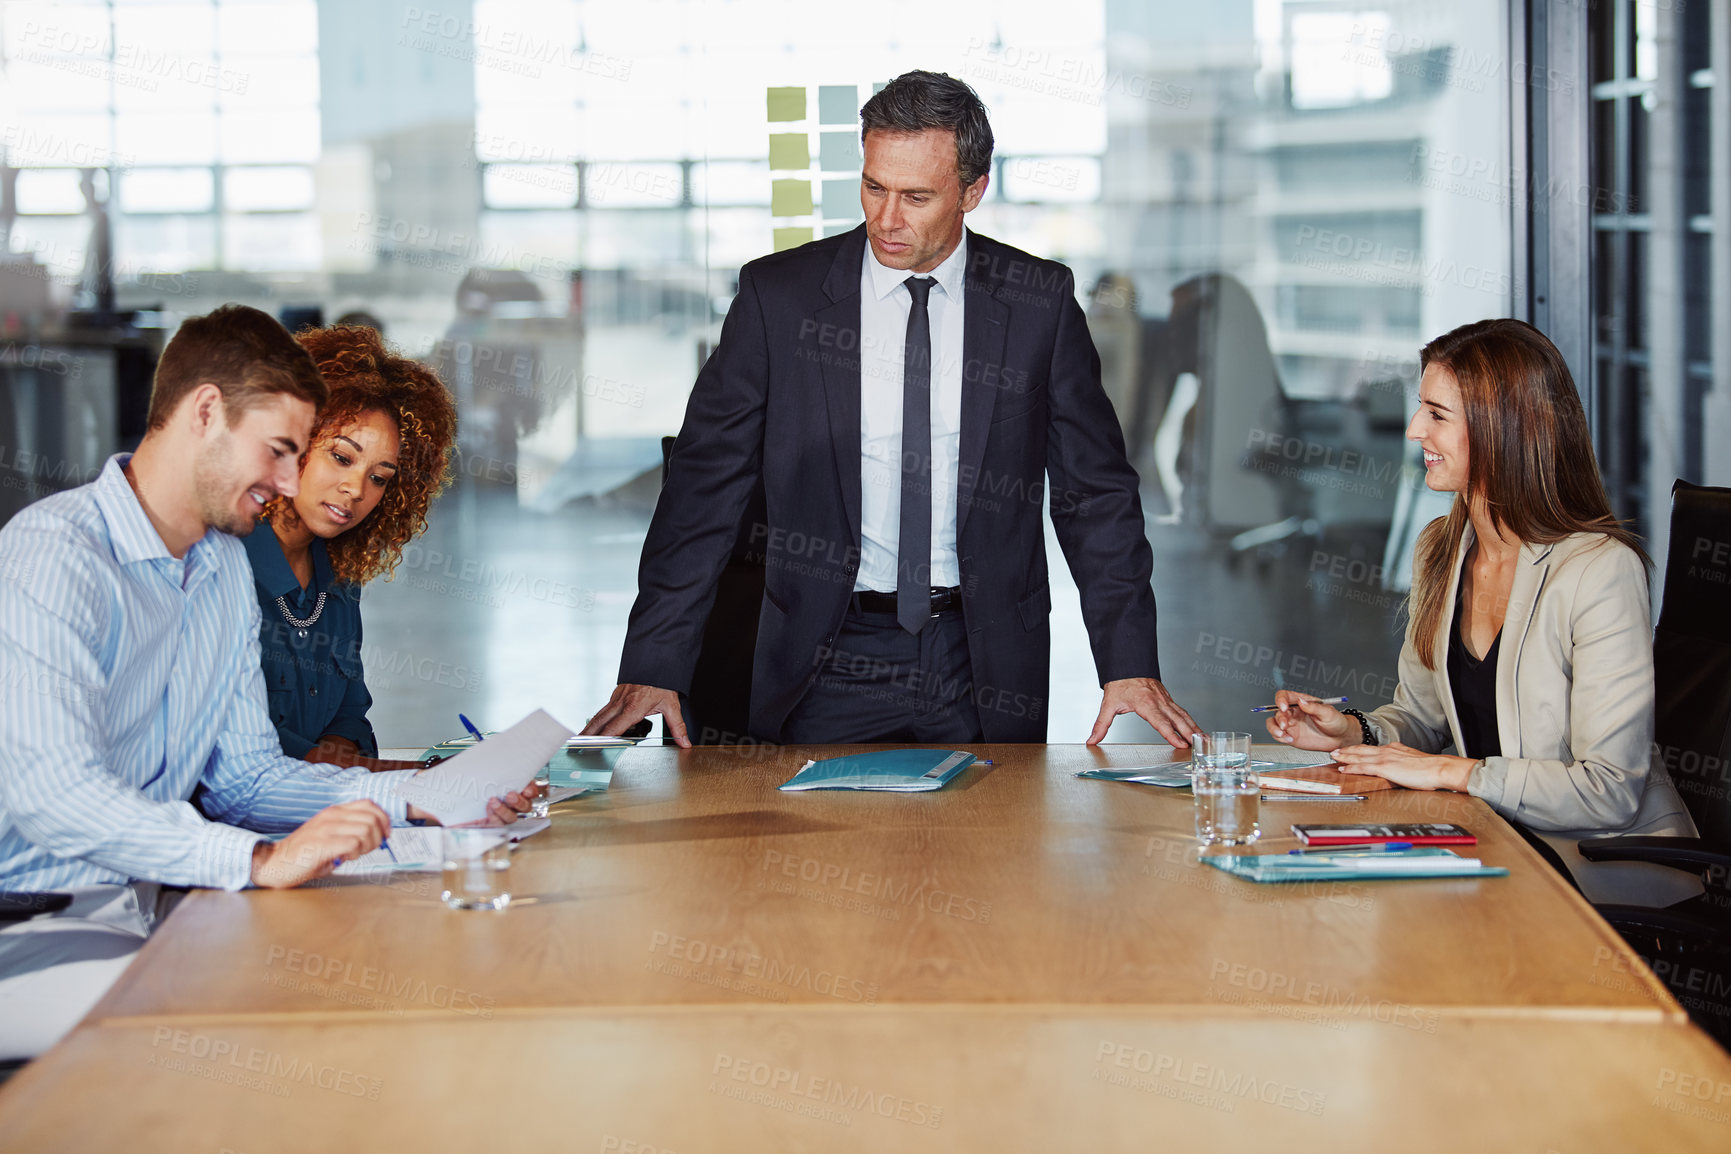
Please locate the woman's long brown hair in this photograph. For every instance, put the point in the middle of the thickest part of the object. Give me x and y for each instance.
(1529, 457)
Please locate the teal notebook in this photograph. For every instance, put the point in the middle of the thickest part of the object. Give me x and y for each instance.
(1422, 862)
(895, 770)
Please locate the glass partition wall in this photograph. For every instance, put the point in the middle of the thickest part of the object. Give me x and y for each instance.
(1661, 253)
(1269, 205)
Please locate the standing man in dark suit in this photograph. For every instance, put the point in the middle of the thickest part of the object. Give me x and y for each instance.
(908, 395)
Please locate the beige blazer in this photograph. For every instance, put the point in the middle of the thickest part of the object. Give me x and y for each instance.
(1574, 712)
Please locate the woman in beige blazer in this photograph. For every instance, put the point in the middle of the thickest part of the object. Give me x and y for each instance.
(1529, 648)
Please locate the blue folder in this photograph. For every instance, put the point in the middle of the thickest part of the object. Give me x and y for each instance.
(894, 770)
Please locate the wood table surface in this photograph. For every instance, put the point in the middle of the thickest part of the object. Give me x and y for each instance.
(1024, 960)
(885, 1078)
(693, 882)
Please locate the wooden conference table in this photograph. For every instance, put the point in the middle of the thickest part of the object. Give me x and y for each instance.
(1023, 961)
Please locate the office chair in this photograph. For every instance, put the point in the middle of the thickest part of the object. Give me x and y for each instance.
(16, 907)
(1689, 944)
(1216, 332)
(1265, 465)
(718, 708)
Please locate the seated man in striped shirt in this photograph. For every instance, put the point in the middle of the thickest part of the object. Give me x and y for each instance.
(129, 676)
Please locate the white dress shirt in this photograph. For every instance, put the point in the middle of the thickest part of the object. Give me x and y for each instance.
(884, 305)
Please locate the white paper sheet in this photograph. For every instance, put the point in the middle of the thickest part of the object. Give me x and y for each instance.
(417, 849)
(456, 790)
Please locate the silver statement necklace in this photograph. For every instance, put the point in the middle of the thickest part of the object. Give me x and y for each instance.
(300, 625)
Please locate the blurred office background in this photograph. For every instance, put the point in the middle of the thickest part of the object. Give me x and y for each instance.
(1270, 206)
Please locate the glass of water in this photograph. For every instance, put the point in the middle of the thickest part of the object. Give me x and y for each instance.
(1227, 793)
(543, 779)
(477, 863)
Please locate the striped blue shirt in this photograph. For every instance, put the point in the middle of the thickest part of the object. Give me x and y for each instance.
(128, 678)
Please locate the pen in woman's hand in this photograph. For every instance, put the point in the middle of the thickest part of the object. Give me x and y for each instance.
(1319, 701)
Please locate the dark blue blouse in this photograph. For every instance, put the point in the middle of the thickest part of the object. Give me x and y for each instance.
(315, 683)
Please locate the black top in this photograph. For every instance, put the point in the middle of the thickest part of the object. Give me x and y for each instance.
(1474, 683)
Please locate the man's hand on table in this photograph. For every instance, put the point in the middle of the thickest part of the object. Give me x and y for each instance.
(1147, 699)
(348, 831)
(340, 832)
(631, 704)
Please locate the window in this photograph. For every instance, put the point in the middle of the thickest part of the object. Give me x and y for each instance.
(1654, 95)
(1268, 206)
(198, 113)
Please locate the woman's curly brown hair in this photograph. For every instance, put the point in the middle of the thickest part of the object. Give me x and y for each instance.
(364, 375)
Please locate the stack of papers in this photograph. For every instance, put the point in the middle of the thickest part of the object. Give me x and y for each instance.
(1422, 862)
(893, 770)
(1323, 779)
(1170, 776)
(417, 849)
(576, 741)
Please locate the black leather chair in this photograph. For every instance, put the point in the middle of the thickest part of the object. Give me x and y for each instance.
(1688, 945)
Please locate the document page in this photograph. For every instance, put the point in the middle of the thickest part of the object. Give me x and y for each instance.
(456, 790)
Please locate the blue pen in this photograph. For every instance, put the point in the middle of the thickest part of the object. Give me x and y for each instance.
(1381, 847)
(470, 726)
(384, 844)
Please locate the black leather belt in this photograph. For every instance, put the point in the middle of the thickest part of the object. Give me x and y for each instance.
(943, 601)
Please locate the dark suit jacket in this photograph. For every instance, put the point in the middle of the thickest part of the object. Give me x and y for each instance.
(779, 402)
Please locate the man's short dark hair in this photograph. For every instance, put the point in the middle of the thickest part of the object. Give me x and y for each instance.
(243, 352)
(917, 101)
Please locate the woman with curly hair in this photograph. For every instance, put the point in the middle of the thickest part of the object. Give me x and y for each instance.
(379, 453)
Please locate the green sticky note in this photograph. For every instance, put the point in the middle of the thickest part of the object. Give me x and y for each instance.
(786, 104)
(790, 198)
(789, 150)
(791, 237)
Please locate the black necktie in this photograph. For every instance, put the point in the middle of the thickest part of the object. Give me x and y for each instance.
(914, 542)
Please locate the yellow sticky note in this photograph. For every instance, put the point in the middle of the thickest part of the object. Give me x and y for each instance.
(790, 198)
(789, 150)
(791, 237)
(787, 104)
